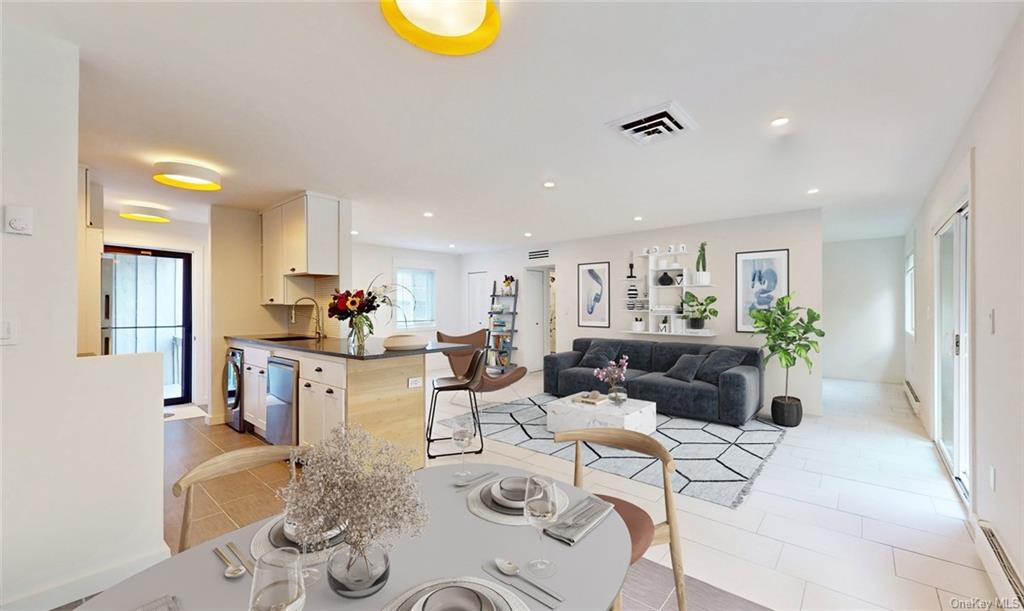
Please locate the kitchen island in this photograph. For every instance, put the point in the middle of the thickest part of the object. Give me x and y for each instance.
(381, 391)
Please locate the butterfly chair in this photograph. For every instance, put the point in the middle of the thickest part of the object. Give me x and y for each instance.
(642, 531)
(219, 466)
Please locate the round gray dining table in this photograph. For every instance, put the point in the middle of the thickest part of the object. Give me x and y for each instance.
(455, 543)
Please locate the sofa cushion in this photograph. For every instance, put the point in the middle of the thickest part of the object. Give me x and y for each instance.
(600, 352)
(686, 367)
(639, 353)
(695, 399)
(580, 379)
(717, 362)
(665, 354)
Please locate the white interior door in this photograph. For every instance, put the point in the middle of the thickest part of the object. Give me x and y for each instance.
(478, 295)
(531, 319)
(952, 336)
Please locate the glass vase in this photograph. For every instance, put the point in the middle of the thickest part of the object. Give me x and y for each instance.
(359, 330)
(617, 394)
(355, 573)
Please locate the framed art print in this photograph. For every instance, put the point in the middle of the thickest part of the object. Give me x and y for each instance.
(592, 280)
(762, 276)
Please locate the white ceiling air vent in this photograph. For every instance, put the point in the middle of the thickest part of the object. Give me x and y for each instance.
(654, 124)
(538, 254)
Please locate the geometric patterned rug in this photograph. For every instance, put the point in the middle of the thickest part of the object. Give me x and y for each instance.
(714, 462)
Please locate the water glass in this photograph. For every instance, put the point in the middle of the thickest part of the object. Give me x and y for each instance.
(277, 583)
(541, 510)
(463, 436)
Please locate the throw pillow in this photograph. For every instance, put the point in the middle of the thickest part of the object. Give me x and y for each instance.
(686, 367)
(718, 362)
(600, 353)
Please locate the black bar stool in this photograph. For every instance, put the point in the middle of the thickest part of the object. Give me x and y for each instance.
(468, 381)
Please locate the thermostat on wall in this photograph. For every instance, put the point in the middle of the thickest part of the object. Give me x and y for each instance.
(18, 219)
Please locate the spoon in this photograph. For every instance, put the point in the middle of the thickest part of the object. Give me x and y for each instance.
(512, 570)
(233, 571)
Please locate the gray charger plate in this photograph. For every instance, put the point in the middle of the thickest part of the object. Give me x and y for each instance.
(488, 500)
(499, 602)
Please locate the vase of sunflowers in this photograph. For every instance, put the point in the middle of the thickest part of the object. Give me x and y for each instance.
(356, 307)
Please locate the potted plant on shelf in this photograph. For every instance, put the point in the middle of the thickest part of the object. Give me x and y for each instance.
(788, 336)
(699, 309)
(701, 276)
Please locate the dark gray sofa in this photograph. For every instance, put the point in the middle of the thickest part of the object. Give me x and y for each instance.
(735, 400)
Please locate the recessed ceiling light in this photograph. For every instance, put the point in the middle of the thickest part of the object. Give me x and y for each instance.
(638, 218)
(451, 246)
(527, 235)
(354, 232)
(428, 214)
(813, 191)
(186, 176)
(549, 185)
(145, 215)
(780, 122)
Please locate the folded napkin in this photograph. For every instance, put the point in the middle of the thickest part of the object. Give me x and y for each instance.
(164, 603)
(582, 518)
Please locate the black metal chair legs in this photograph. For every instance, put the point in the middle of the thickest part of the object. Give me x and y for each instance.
(474, 410)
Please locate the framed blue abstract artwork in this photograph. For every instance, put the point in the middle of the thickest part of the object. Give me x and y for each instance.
(762, 276)
(593, 294)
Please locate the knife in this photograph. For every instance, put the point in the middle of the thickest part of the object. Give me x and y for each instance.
(496, 575)
(245, 561)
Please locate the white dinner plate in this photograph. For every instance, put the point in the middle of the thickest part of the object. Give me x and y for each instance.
(497, 498)
(455, 597)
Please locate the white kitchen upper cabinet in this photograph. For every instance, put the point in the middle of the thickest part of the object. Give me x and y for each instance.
(273, 280)
(310, 229)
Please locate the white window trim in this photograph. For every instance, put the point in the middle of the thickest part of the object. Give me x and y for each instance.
(416, 326)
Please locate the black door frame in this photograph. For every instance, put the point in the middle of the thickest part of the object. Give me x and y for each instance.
(186, 312)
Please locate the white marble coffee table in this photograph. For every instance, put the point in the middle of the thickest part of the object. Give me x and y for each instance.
(633, 415)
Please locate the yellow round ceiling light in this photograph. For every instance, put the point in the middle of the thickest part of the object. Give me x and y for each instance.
(446, 27)
(186, 176)
(144, 214)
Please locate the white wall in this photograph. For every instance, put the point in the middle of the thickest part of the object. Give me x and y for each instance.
(177, 236)
(235, 302)
(798, 231)
(863, 294)
(995, 134)
(81, 443)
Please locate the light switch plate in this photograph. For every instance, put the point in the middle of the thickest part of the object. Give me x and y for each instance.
(415, 382)
(18, 220)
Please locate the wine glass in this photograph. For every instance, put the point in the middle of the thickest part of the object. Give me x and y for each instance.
(463, 435)
(277, 583)
(541, 510)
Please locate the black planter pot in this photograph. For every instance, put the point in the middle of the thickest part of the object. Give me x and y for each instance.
(696, 323)
(787, 411)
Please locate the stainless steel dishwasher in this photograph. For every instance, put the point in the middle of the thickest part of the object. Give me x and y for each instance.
(282, 401)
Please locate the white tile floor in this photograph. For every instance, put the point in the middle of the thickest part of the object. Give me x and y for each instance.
(853, 511)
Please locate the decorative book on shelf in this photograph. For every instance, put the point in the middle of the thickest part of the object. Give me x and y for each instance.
(501, 327)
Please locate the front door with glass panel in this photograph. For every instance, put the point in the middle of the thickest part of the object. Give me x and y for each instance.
(952, 380)
(147, 307)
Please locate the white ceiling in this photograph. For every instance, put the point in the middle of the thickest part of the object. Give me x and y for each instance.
(285, 97)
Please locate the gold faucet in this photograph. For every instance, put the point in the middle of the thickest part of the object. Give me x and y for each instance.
(318, 324)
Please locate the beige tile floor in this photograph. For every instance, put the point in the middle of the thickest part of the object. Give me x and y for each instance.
(853, 511)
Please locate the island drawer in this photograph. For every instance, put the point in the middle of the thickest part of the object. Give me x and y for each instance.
(323, 371)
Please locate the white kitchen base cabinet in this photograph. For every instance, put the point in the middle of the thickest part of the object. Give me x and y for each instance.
(321, 408)
(254, 395)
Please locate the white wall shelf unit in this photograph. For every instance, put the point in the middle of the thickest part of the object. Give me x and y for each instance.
(649, 308)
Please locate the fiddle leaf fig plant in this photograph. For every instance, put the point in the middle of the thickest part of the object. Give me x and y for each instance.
(700, 308)
(788, 333)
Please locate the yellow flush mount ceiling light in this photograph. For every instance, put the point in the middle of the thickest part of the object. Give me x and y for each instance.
(447, 27)
(145, 215)
(186, 176)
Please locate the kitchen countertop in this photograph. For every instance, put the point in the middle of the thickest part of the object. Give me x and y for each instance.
(339, 346)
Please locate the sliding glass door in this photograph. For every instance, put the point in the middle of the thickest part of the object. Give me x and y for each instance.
(147, 307)
(952, 371)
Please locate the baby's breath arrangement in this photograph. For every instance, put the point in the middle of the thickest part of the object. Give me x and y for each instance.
(357, 482)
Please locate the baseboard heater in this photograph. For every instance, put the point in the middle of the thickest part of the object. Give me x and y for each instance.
(911, 395)
(1003, 566)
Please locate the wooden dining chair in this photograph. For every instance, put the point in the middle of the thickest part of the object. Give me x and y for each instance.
(643, 533)
(219, 466)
